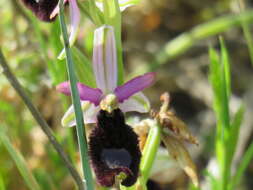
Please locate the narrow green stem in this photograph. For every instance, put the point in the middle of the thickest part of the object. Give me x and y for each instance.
(77, 105)
(148, 157)
(150, 150)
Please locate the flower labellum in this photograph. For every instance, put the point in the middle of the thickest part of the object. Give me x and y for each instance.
(129, 96)
(114, 150)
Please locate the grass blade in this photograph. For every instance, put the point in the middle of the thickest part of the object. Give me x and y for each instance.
(234, 133)
(220, 80)
(249, 40)
(77, 105)
(225, 62)
(246, 31)
(19, 161)
(247, 158)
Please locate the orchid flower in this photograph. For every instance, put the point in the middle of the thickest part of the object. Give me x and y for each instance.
(47, 10)
(123, 4)
(128, 95)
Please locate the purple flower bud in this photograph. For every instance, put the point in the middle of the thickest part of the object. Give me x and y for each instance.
(114, 149)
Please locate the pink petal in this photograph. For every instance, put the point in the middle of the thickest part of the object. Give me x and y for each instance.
(75, 20)
(133, 86)
(105, 59)
(86, 93)
(138, 103)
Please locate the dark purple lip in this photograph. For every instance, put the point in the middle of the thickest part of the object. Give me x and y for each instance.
(113, 149)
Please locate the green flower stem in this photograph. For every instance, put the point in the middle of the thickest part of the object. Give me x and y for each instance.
(149, 152)
(148, 157)
(77, 105)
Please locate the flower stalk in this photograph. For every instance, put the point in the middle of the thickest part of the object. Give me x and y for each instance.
(77, 105)
(148, 156)
(150, 150)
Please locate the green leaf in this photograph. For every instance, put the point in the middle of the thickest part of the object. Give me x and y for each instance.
(234, 132)
(225, 62)
(248, 36)
(95, 13)
(83, 68)
(245, 161)
(219, 77)
(19, 161)
(215, 82)
(81, 134)
(55, 45)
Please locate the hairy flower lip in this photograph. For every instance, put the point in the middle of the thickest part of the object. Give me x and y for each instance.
(111, 133)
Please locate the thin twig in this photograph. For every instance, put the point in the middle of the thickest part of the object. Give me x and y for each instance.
(42, 123)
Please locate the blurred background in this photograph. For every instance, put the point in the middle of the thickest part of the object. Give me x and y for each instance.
(171, 37)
